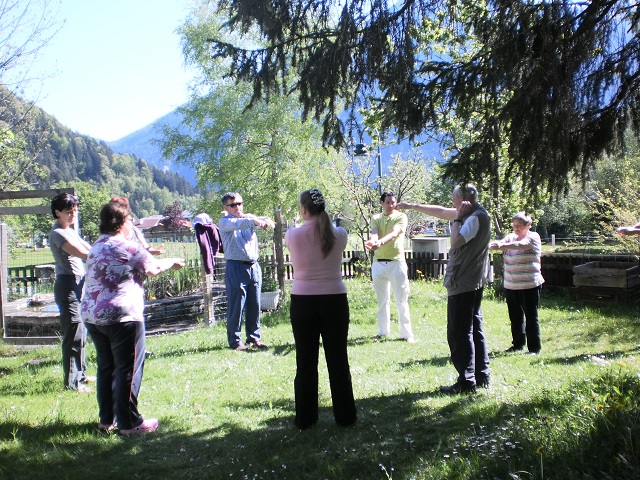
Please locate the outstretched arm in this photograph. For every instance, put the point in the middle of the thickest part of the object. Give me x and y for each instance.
(635, 230)
(163, 264)
(439, 211)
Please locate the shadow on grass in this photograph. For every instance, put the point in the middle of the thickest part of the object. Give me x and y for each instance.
(398, 432)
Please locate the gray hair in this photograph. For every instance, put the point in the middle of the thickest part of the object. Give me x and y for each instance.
(523, 217)
(466, 192)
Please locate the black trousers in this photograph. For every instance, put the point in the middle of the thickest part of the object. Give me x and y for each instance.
(67, 291)
(465, 335)
(523, 313)
(327, 317)
(120, 352)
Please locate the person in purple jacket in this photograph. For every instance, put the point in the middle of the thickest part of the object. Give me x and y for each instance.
(319, 308)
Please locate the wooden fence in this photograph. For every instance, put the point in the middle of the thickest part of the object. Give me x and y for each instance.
(557, 268)
(420, 265)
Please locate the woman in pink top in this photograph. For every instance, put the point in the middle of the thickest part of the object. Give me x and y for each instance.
(319, 308)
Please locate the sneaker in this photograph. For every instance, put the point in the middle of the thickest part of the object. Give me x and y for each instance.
(409, 340)
(457, 389)
(241, 347)
(88, 379)
(379, 337)
(148, 426)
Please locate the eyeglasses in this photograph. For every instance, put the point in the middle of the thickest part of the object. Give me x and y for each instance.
(233, 205)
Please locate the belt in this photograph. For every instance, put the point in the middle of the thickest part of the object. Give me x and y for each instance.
(251, 262)
(385, 260)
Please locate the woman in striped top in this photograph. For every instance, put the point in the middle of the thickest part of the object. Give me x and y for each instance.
(522, 282)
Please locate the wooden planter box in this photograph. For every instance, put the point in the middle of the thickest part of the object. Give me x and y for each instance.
(603, 281)
(606, 274)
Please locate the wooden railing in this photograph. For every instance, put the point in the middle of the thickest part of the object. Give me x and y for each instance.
(557, 268)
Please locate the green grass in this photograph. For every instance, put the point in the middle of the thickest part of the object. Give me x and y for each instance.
(570, 412)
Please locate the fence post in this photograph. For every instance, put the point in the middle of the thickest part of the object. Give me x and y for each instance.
(4, 263)
(207, 285)
(279, 251)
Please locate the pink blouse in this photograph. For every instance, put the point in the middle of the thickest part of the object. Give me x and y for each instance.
(312, 274)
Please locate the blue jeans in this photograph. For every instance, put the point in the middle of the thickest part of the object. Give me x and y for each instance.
(243, 281)
(120, 352)
(67, 292)
(465, 335)
(327, 317)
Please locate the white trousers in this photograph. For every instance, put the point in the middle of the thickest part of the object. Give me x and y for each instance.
(389, 276)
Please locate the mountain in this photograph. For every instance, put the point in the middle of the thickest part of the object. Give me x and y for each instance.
(141, 144)
(62, 155)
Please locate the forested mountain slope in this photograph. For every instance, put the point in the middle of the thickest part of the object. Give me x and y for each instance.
(62, 155)
(141, 144)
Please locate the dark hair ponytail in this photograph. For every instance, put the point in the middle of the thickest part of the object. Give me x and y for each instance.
(313, 202)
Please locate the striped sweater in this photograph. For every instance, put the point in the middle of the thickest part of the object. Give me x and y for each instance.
(522, 267)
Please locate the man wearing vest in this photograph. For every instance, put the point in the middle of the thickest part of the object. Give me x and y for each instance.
(467, 274)
(389, 268)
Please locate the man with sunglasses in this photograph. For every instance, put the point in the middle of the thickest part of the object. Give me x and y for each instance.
(243, 276)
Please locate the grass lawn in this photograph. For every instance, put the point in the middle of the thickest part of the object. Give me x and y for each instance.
(570, 412)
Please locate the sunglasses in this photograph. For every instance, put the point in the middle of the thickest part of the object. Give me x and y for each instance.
(233, 205)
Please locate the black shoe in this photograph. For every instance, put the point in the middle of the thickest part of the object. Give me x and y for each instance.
(258, 344)
(514, 349)
(457, 389)
(482, 383)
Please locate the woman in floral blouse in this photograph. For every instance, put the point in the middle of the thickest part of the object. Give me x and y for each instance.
(112, 309)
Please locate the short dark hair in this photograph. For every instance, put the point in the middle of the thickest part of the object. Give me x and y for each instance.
(63, 201)
(112, 217)
(229, 196)
(384, 196)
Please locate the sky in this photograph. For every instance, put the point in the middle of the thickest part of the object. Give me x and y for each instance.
(114, 67)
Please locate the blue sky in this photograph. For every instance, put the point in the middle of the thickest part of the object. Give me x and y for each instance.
(114, 67)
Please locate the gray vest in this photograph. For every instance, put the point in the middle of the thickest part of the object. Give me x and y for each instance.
(468, 265)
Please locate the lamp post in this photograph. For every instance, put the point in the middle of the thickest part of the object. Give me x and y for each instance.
(360, 150)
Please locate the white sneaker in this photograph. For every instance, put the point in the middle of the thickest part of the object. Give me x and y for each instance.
(147, 426)
(409, 340)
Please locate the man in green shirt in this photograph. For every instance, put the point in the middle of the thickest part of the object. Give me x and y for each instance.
(389, 268)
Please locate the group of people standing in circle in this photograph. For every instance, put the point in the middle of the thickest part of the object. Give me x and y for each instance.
(112, 304)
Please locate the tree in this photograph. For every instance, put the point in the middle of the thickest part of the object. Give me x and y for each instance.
(267, 154)
(553, 84)
(357, 194)
(25, 29)
(172, 220)
(613, 194)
